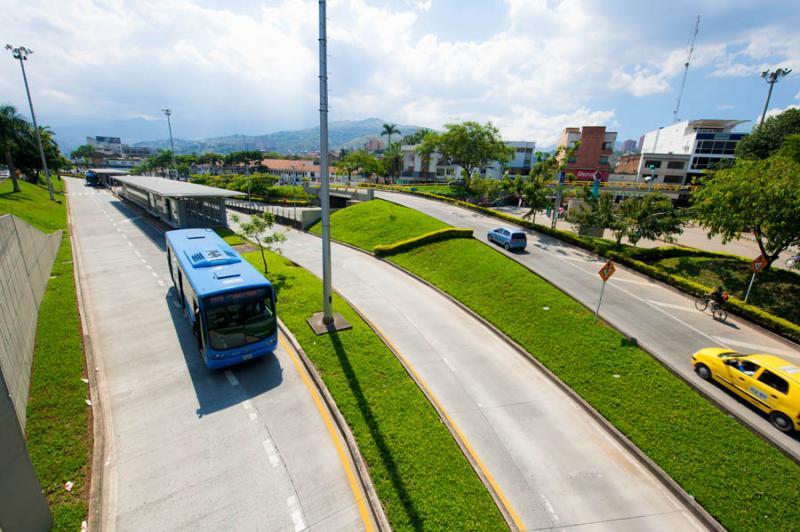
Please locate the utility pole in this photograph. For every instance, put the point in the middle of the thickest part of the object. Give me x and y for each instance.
(772, 78)
(22, 54)
(326, 321)
(168, 112)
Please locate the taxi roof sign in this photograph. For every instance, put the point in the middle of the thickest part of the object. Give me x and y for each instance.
(607, 271)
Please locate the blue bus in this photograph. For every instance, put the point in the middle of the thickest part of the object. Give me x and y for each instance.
(92, 179)
(230, 305)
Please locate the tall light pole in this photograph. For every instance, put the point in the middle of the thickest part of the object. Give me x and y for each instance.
(326, 321)
(22, 54)
(772, 78)
(168, 112)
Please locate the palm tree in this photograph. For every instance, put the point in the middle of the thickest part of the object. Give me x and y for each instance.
(12, 128)
(389, 130)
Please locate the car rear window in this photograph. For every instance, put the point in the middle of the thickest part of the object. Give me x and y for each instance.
(518, 236)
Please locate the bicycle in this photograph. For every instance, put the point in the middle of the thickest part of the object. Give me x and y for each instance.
(717, 311)
(793, 262)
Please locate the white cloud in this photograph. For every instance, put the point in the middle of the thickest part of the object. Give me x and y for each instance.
(725, 107)
(775, 111)
(640, 82)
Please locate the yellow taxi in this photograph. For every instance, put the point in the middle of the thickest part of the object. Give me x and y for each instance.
(770, 383)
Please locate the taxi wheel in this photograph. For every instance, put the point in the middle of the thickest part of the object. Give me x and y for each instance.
(703, 372)
(781, 422)
(506, 246)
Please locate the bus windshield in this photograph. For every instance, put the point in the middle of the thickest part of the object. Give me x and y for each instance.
(236, 319)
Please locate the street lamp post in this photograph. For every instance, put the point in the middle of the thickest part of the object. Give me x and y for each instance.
(325, 321)
(168, 112)
(21, 53)
(772, 78)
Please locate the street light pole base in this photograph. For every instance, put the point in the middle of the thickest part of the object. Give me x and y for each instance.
(318, 325)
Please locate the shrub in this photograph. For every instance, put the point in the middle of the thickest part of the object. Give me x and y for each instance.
(428, 238)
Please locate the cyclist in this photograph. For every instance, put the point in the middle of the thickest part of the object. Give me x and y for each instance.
(719, 296)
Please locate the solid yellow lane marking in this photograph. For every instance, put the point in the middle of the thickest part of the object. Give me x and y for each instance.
(326, 418)
(489, 478)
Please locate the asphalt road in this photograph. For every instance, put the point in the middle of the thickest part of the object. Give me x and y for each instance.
(553, 463)
(662, 319)
(190, 448)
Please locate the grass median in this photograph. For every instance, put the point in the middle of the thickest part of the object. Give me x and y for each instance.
(740, 479)
(422, 479)
(57, 428)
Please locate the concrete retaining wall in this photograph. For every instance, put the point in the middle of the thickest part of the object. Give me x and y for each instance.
(26, 259)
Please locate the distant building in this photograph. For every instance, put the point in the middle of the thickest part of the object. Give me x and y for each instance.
(629, 146)
(433, 168)
(700, 144)
(592, 157)
(110, 152)
(628, 164)
(373, 144)
(105, 145)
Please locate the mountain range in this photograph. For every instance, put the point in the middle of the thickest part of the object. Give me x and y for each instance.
(341, 134)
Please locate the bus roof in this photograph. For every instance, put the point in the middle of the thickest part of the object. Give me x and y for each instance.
(210, 264)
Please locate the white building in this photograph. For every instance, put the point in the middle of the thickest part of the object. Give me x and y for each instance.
(417, 167)
(705, 142)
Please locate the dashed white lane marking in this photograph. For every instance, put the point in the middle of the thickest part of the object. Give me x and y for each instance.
(160, 282)
(449, 365)
(550, 509)
(632, 281)
(272, 454)
(137, 253)
(129, 243)
(231, 378)
(297, 515)
(756, 347)
(148, 267)
(154, 274)
(124, 236)
(143, 261)
(672, 305)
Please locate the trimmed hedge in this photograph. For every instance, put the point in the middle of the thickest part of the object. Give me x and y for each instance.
(630, 257)
(428, 238)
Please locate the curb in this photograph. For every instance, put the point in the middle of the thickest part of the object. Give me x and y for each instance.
(376, 508)
(691, 504)
(100, 420)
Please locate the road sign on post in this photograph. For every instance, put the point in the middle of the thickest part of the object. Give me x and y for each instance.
(605, 272)
(757, 266)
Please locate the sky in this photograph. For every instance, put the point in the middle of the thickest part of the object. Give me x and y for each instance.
(531, 67)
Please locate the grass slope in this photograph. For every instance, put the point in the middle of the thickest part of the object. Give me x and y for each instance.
(421, 477)
(368, 224)
(776, 291)
(57, 428)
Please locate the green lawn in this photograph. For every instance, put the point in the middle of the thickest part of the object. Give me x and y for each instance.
(712, 456)
(421, 477)
(57, 430)
(378, 222)
(776, 291)
(229, 236)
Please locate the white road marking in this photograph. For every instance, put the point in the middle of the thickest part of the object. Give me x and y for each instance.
(129, 242)
(631, 281)
(247, 404)
(160, 282)
(672, 305)
(154, 274)
(148, 266)
(550, 509)
(137, 253)
(253, 416)
(449, 365)
(272, 454)
(231, 378)
(757, 347)
(143, 261)
(297, 515)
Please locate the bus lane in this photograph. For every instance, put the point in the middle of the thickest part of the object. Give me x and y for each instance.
(187, 447)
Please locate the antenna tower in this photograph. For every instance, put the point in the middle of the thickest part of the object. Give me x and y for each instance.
(692, 40)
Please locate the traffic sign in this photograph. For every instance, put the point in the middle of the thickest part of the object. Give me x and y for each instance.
(607, 271)
(758, 264)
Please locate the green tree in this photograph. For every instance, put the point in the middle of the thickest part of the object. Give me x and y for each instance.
(388, 131)
(257, 230)
(761, 197)
(83, 153)
(536, 195)
(415, 137)
(393, 160)
(470, 145)
(652, 217)
(12, 133)
(768, 137)
(360, 162)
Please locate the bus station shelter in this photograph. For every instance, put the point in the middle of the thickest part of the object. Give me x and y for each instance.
(177, 203)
